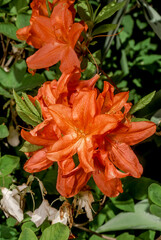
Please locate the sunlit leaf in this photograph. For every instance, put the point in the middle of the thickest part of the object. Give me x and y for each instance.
(109, 10)
(154, 193)
(3, 131)
(142, 102)
(7, 164)
(27, 234)
(9, 30)
(104, 29)
(56, 231)
(140, 219)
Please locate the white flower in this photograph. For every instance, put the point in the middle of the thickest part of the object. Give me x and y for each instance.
(44, 211)
(10, 204)
(84, 200)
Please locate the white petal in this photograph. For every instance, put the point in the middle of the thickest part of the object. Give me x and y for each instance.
(10, 205)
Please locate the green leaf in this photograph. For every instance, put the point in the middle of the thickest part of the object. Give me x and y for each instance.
(83, 11)
(7, 164)
(25, 117)
(3, 131)
(137, 187)
(28, 147)
(142, 102)
(109, 10)
(29, 225)
(30, 105)
(18, 6)
(18, 79)
(140, 219)
(11, 222)
(7, 232)
(9, 30)
(124, 202)
(50, 179)
(38, 107)
(148, 235)
(23, 20)
(125, 236)
(27, 234)
(154, 193)
(5, 181)
(134, 119)
(24, 110)
(56, 231)
(20, 103)
(5, 93)
(104, 29)
(3, 2)
(155, 210)
(152, 17)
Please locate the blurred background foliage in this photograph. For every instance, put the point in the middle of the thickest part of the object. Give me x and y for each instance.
(131, 60)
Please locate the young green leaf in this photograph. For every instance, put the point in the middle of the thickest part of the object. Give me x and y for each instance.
(9, 30)
(25, 117)
(155, 210)
(56, 231)
(104, 29)
(83, 11)
(28, 147)
(22, 20)
(26, 110)
(38, 107)
(124, 202)
(3, 131)
(154, 193)
(109, 10)
(21, 104)
(27, 234)
(30, 105)
(142, 102)
(7, 164)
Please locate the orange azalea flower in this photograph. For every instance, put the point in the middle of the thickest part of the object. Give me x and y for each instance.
(79, 125)
(97, 128)
(55, 37)
(53, 92)
(29, 33)
(47, 132)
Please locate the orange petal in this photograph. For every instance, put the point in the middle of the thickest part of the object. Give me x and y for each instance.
(63, 118)
(134, 132)
(84, 108)
(69, 59)
(36, 140)
(38, 162)
(70, 186)
(75, 33)
(110, 188)
(63, 149)
(23, 33)
(125, 159)
(102, 124)
(46, 56)
(85, 152)
(119, 101)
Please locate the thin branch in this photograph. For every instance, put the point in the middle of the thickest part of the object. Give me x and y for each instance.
(92, 232)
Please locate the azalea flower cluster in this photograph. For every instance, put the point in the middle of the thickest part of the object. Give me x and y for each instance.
(86, 132)
(80, 121)
(56, 36)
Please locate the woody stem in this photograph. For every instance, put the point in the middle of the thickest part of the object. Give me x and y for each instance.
(95, 233)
